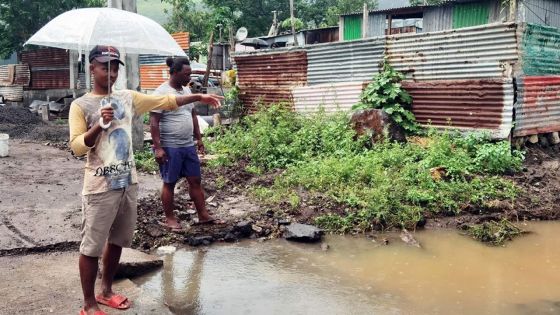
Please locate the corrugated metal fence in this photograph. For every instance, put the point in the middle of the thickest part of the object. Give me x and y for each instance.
(477, 52)
(270, 76)
(537, 109)
(461, 78)
(540, 50)
(344, 61)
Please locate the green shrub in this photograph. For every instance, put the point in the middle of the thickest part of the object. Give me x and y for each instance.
(389, 185)
(276, 138)
(386, 92)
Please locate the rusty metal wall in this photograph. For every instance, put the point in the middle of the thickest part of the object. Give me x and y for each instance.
(331, 97)
(268, 77)
(537, 109)
(49, 68)
(13, 93)
(344, 61)
(151, 76)
(482, 104)
(470, 53)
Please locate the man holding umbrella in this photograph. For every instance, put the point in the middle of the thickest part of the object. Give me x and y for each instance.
(100, 127)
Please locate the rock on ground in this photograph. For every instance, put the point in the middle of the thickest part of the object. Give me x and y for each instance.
(378, 124)
(302, 233)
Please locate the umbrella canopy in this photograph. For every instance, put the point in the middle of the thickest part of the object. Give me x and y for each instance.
(82, 29)
(255, 42)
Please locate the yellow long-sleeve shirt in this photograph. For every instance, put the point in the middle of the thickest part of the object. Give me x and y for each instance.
(110, 162)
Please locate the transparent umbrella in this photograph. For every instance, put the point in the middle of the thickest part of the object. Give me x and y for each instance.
(82, 29)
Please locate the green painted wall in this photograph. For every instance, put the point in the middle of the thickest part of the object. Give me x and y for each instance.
(470, 14)
(540, 51)
(352, 27)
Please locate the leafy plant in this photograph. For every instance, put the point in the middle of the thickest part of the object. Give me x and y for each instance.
(233, 106)
(145, 160)
(386, 92)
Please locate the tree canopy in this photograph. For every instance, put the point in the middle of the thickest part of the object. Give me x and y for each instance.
(20, 19)
(199, 17)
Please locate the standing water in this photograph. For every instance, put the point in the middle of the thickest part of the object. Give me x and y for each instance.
(450, 274)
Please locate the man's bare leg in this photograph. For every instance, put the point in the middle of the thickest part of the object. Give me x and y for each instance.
(88, 273)
(197, 195)
(111, 257)
(167, 199)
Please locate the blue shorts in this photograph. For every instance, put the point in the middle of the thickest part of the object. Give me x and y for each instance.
(181, 162)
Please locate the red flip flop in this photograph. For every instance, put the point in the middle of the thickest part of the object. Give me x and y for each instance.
(83, 312)
(116, 301)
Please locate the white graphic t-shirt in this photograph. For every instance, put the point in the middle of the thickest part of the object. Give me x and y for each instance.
(110, 162)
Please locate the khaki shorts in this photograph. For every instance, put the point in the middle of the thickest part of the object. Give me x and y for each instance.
(108, 217)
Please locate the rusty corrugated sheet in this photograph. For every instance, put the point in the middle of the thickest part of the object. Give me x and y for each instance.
(49, 68)
(269, 77)
(151, 76)
(331, 97)
(51, 79)
(45, 57)
(183, 39)
(12, 93)
(344, 61)
(537, 109)
(484, 104)
(470, 53)
(252, 98)
(15, 74)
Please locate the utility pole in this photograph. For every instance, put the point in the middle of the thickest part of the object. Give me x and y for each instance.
(293, 22)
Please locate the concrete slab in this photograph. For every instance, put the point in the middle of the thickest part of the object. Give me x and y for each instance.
(50, 283)
(135, 263)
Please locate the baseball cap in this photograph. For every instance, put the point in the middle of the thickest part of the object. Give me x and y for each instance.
(105, 54)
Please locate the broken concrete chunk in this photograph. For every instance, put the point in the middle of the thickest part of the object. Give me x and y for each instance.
(302, 233)
(135, 263)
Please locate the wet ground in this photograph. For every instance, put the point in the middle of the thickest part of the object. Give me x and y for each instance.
(450, 274)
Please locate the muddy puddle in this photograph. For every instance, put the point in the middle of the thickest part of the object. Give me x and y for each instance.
(450, 274)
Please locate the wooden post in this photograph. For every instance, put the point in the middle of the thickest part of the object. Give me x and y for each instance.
(512, 11)
(365, 20)
(341, 28)
(209, 63)
(390, 24)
